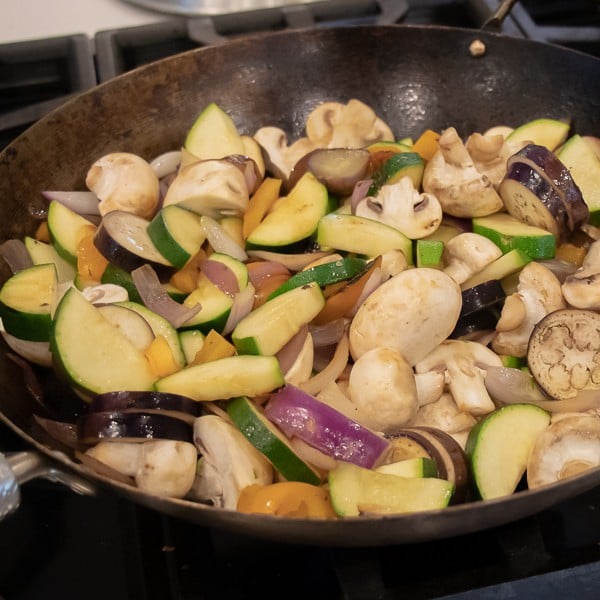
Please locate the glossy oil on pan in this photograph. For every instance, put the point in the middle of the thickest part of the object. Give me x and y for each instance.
(414, 77)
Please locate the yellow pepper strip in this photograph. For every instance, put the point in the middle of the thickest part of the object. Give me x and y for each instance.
(90, 263)
(570, 253)
(215, 346)
(186, 279)
(42, 233)
(260, 203)
(160, 357)
(287, 499)
(427, 144)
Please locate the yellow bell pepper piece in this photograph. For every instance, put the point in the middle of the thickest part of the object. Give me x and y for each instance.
(90, 262)
(427, 144)
(160, 357)
(261, 202)
(287, 499)
(215, 346)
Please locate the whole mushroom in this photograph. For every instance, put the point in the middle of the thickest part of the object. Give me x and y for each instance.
(582, 288)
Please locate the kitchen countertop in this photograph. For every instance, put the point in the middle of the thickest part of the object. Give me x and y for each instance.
(23, 20)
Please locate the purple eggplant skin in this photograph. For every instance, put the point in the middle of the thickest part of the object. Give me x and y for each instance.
(535, 186)
(118, 426)
(484, 295)
(548, 165)
(161, 402)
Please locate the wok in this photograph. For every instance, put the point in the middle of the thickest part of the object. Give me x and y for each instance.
(414, 77)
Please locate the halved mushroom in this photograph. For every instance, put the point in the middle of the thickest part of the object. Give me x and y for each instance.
(569, 446)
(214, 188)
(452, 177)
(582, 288)
(402, 206)
(229, 462)
(124, 181)
(466, 254)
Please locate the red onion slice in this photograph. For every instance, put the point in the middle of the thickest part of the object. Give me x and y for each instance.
(220, 240)
(242, 305)
(289, 353)
(83, 203)
(221, 275)
(293, 262)
(359, 193)
(328, 334)
(16, 255)
(262, 270)
(155, 297)
(322, 427)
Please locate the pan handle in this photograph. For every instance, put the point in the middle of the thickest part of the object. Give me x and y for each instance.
(17, 468)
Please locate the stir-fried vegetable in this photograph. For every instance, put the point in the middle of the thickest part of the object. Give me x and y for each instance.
(328, 328)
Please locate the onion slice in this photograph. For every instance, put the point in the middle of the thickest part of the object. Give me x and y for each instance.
(220, 240)
(324, 428)
(16, 255)
(166, 163)
(293, 262)
(359, 193)
(332, 371)
(155, 297)
(221, 275)
(329, 333)
(243, 302)
(83, 203)
(513, 386)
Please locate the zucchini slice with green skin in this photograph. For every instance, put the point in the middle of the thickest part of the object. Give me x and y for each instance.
(326, 274)
(360, 235)
(294, 217)
(268, 440)
(499, 445)
(401, 164)
(509, 233)
(216, 306)
(92, 353)
(550, 133)
(27, 302)
(225, 378)
(177, 234)
(64, 228)
(355, 490)
(267, 329)
(42, 253)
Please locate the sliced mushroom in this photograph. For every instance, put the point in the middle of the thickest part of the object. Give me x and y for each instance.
(451, 176)
(569, 447)
(402, 206)
(582, 288)
(468, 253)
(464, 364)
(124, 181)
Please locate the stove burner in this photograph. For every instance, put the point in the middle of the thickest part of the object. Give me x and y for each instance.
(213, 7)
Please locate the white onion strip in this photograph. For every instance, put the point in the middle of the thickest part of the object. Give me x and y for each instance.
(83, 203)
(166, 163)
(155, 297)
(513, 386)
(16, 255)
(220, 240)
(329, 333)
(242, 305)
(331, 372)
(293, 262)
(372, 283)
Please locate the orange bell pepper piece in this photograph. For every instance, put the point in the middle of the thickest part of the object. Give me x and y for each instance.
(90, 262)
(160, 357)
(570, 253)
(42, 233)
(260, 203)
(287, 499)
(186, 279)
(427, 144)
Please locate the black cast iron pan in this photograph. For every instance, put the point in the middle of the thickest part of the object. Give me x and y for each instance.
(414, 77)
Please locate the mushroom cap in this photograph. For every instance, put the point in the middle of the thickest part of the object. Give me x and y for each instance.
(382, 386)
(411, 312)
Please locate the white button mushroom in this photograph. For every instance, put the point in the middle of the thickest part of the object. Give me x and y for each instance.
(124, 181)
(466, 254)
(402, 206)
(382, 386)
(412, 312)
(452, 178)
(582, 288)
(464, 364)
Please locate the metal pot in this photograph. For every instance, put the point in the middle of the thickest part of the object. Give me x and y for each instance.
(414, 77)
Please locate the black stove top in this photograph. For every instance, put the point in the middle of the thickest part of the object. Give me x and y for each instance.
(62, 545)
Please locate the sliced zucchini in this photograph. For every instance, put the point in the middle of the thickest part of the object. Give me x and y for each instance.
(411, 467)
(27, 302)
(42, 253)
(504, 266)
(360, 235)
(294, 217)
(215, 307)
(191, 341)
(355, 490)
(225, 378)
(509, 233)
(213, 135)
(94, 354)
(269, 327)
(266, 438)
(401, 164)
(66, 229)
(429, 253)
(550, 133)
(177, 234)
